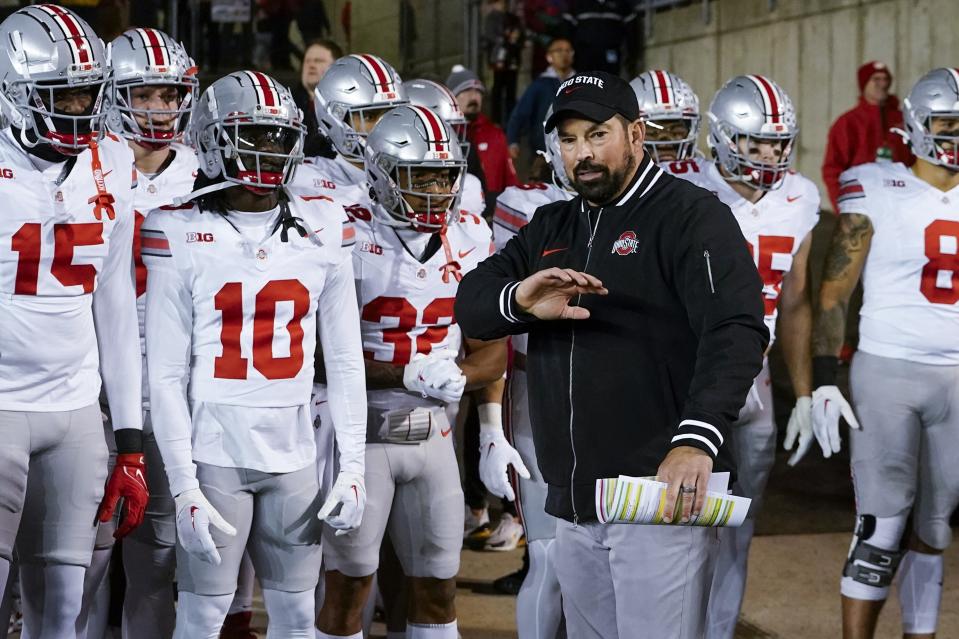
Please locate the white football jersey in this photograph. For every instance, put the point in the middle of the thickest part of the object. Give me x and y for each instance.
(66, 276)
(774, 227)
(514, 209)
(238, 318)
(326, 174)
(406, 307)
(152, 192)
(473, 200)
(253, 305)
(911, 275)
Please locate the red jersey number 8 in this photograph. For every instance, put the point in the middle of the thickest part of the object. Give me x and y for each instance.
(940, 261)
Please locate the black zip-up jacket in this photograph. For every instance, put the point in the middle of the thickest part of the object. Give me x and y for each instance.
(665, 360)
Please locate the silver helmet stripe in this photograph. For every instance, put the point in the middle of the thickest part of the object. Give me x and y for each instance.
(380, 75)
(664, 87)
(265, 91)
(955, 78)
(156, 46)
(771, 98)
(72, 33)
(436, 134)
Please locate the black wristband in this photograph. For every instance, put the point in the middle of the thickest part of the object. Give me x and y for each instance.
(824, 370)
(129, 440)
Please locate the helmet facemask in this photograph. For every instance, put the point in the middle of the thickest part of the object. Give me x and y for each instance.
(742, 166)
(422, 196)
(938, 133)
(155, 128)
(66, 115)
(673, 139)
(260, 157)
(357, 123)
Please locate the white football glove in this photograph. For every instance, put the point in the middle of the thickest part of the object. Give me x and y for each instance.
(800, 426)
(496, 455)
(827, 406)
(350, 491)
(435, 375)
(194, 516)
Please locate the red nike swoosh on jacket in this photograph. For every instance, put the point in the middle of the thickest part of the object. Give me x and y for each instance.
(465, 253)
(555, 250)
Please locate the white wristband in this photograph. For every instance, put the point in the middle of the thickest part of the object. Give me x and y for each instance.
(490, 417)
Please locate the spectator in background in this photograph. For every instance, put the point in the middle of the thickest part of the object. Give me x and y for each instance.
(503, 37)
(599, 29)
(863, 133)
(486, 139)
(529, 113)
(544, 22)
(317, 58)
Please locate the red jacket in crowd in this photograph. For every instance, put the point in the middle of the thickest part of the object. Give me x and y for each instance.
(856, 137)
(490, 143)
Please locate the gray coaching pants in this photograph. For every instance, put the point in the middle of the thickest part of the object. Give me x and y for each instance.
(621, 581)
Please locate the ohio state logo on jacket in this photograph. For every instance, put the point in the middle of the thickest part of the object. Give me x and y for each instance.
(626, 244)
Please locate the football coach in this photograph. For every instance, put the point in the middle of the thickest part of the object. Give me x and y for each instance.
(645, 320)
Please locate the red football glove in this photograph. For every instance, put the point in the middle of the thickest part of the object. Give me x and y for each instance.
(128, 482)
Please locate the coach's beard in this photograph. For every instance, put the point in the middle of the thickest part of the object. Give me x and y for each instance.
(607, 184)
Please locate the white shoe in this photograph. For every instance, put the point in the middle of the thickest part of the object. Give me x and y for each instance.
(506, 536)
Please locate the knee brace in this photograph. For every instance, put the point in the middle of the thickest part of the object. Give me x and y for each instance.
(873, 558)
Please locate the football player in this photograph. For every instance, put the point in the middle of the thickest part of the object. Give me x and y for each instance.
(153, 95)
(539, 611)
(670, 104)
(899, 229)
(438, 98)
(69, 312)
(412, 247)
(240, 284)
(356, 91)
(752, 137)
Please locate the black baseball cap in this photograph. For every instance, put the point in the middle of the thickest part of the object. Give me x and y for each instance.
(594, 95)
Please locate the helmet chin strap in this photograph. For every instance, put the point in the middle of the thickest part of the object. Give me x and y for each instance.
(219, 186)
(46, 152)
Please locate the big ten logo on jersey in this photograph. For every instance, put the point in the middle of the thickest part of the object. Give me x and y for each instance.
(6, 174)
(773, 260)
(406, 328)
(370, 247)
(199, 237)
(321, 183)
(895, 184)
(358, 212)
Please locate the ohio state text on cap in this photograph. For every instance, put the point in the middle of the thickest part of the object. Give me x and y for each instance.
(594, 95)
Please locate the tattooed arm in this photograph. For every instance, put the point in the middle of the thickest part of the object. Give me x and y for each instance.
(844, 264)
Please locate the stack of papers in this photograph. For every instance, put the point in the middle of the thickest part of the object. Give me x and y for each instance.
(641, 500)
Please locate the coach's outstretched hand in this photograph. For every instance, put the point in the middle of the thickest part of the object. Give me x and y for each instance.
(546, 294)
(685, 467)
(194, 516)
